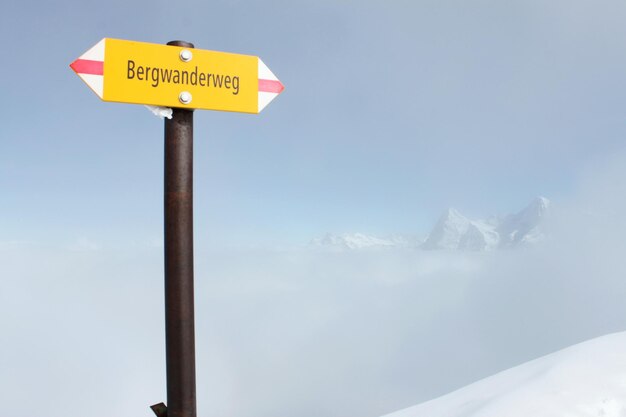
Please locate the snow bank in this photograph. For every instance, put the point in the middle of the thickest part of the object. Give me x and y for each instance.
(585, 380)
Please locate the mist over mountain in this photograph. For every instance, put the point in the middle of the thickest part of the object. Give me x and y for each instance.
(454, 231)
(323, 333)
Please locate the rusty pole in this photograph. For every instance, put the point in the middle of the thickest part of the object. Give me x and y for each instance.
(179, 298)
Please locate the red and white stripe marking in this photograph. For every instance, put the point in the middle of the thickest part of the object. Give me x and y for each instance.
(90, 67)
(269, 86)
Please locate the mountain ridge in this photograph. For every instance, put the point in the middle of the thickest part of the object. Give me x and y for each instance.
(454, 231)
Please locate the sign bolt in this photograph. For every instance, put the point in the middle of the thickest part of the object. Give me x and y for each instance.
(185, 97)
(186, 55)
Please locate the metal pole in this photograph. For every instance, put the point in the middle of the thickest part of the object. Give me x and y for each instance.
(179, 298)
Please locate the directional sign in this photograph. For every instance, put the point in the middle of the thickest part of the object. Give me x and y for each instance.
(174, 76)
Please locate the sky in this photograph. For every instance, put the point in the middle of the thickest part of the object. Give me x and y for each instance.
(392, 112)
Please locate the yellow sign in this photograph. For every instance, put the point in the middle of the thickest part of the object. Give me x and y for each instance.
(174, 76)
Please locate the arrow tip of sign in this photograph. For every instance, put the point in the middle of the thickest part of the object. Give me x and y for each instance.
(91, 72)
(90, 67)
(269, 86)
(281, 87)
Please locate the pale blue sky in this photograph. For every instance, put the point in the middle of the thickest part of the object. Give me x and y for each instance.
(392, 112)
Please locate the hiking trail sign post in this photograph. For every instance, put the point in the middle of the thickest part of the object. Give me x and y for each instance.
(182, 78)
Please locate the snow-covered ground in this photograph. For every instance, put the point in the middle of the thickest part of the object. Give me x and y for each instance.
(585, 380)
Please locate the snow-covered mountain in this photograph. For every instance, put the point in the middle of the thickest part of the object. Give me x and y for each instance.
(358, 241)
(584, 380)
(525, 227)
(454, 231)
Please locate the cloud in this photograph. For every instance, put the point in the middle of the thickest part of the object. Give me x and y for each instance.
(306, 331)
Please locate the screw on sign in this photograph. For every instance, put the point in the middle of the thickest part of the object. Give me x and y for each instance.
(174, 76)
